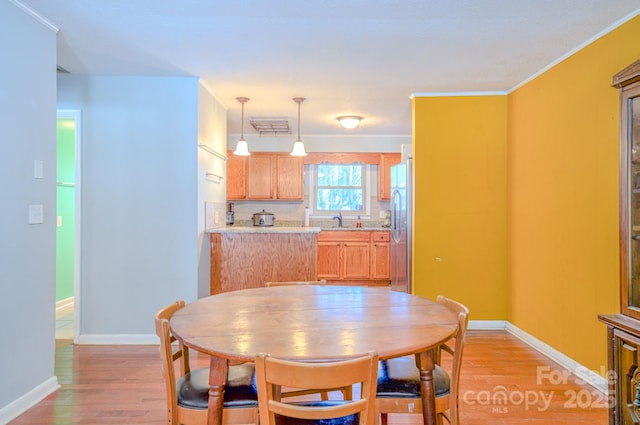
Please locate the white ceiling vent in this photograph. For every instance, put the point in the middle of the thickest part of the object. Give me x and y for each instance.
(272, 126)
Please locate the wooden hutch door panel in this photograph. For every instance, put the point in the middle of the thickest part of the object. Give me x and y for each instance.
(627, 379)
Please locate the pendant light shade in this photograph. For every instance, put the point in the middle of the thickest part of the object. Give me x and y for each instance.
(242, 149)
(298, 146)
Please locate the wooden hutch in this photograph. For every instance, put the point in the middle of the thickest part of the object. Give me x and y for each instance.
(623, 329)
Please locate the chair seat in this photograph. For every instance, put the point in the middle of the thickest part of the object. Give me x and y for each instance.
(240, 389)
(344, 420)
(400, 377)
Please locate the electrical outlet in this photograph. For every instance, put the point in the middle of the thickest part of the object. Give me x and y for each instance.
(59, 221)
(382, 213)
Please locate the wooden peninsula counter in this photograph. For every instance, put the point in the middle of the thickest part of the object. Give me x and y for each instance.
(247, 257)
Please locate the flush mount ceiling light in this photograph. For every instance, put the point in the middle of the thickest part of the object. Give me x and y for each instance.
(242, 149)
(349, 121)
(298, 146)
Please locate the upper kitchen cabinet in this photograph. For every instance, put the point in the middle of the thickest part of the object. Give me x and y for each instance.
(265, 176)
(387, 160)
(236, 182)
(261, 170)
(289, 177)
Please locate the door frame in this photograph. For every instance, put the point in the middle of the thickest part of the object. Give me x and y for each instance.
(75, 114)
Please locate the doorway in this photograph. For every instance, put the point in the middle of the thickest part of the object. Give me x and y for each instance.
(67, 224)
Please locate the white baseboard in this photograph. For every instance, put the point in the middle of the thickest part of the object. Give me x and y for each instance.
(583, 373)
(588, 376)
(28, 400)
(123, 339)
(64, 307)
(487, 325)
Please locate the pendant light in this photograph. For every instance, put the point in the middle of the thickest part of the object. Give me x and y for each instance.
(242, 149)
(298, 146)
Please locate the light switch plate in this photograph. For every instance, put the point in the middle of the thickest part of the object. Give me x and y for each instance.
(38, 169)
(36, 214)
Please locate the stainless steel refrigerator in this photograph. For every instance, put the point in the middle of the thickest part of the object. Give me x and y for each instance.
(401, 224)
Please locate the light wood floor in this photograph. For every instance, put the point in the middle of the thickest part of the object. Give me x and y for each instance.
(123, 385)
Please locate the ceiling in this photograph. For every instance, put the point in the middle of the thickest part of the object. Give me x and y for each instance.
(344, 56)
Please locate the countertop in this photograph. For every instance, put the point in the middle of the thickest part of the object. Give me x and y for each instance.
(290, 229)
(264, 229)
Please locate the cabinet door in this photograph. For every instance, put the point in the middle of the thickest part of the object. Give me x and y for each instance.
(387, 160)
(356, 260)
(260, 176)
(380, 255)
(289, 177)
(236, 177)
(628, 81)
(626, 347)
(329, 260)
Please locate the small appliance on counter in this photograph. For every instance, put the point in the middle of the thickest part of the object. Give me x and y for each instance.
(263, 219)
(230, 214)
(387, 219)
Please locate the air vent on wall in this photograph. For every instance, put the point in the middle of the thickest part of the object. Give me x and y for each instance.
(273, 126)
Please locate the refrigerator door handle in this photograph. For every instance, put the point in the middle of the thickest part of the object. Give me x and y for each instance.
(396, 229)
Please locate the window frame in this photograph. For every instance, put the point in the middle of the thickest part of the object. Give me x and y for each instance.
(365, 213)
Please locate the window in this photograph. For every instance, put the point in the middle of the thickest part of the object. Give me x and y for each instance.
(340, 188)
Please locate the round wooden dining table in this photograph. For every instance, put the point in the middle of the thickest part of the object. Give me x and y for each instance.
(313, 323)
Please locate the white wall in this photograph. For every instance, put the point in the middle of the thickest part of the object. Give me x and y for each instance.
(27, 252)
(139, 200)
(212, 132)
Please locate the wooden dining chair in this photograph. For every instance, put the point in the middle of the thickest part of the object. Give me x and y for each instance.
(297, 282)
(187, 389)
(399, 379)
(273, 374)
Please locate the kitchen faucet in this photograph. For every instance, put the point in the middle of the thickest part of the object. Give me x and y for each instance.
(339, 218)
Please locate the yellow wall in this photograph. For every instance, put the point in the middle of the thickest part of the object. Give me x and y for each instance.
(563, 198)
(460, 201)
(518, 195)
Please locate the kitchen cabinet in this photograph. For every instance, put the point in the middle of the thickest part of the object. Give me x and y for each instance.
(380, 255)
(260, 176)
(236, 171)
(356, 257)
(289, 177)
(623, 330)
(387, 160)
(266, 176)
(242, 259)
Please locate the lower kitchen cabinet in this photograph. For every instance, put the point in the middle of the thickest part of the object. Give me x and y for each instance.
(243, 259)
(380, 255)
(354, 257)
